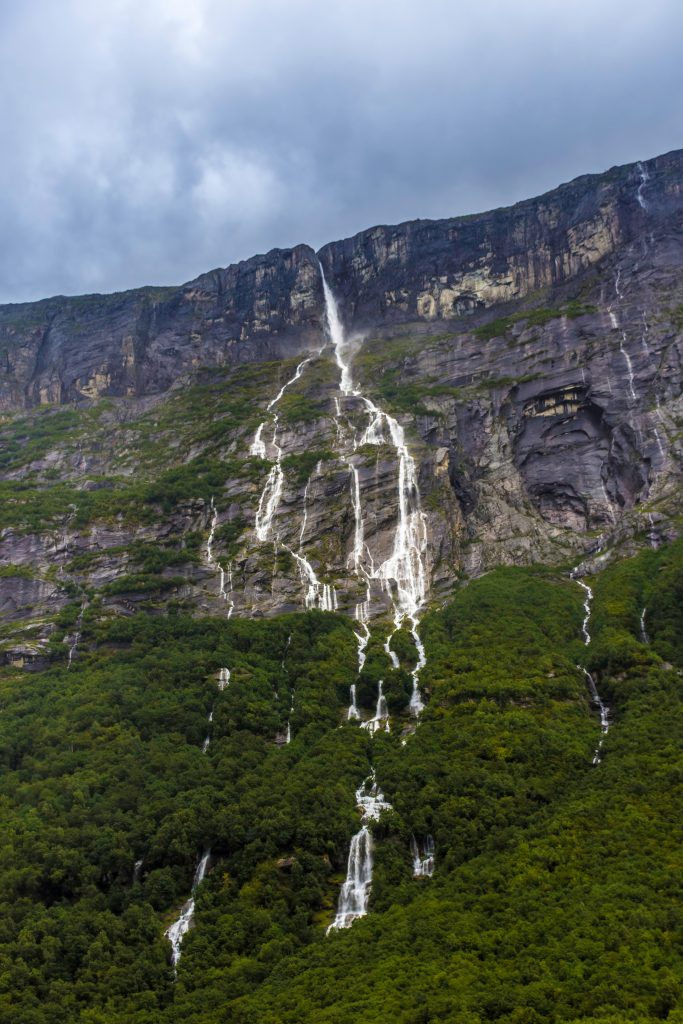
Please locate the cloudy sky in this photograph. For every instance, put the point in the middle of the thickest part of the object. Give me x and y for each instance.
(148, 141)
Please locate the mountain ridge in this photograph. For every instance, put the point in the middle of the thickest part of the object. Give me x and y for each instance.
(248, 301)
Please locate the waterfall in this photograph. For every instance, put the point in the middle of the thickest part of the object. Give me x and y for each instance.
(403, 574)
(603, 711)
(223, 678)
(593, 690)
(423, 863)
(381, 717)
(660, 446)
(270, 496)
(177, 931)
(355, 892)
(353, 713)
(317, 594)
(586, 605)
(363, 637)
(137, 869)
(644, 178)
(207, 741)
(288, 734)
(622, 339)
(644, 636)
(75, 639)
(213, 563)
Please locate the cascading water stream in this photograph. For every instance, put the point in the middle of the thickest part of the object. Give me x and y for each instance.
(178, 930)
(403, 574)
(353, 714)
(644, 178)
(318, 594)
(423, 862)
(593, 690)
(644, 636)
(622, 339)
(355, 892)
(381, 717)
(207, 740)
(213, 563)
(75, 638)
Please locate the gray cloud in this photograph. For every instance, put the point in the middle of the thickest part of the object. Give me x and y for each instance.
(147, 142)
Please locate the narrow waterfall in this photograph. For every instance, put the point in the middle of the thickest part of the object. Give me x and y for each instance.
(600, 705)
(207, 741)
(423, 862)
(353, 714)
(317, 594)
(363, 637)
(381, 718)
(355, 892)
(586, 604)
(288, 734)
(403, 574)
(644, 178)
(644, 636)
(75, 638)
(622, 339)
(213, 563)
(602, 710)
(177, 931)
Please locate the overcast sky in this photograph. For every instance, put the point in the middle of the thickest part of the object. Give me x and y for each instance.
(146, 142)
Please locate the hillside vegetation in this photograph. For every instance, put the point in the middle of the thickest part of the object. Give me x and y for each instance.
(556, 894)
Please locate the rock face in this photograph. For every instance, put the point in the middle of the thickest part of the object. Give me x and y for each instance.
(441, 270)
(140, 342)
(532, 357)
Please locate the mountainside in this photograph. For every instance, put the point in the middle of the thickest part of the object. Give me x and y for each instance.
(532, 355)
(349, 586)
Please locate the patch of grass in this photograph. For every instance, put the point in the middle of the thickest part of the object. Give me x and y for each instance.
(534, 318)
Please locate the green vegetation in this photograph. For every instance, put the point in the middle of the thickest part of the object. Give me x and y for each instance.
(533, 318)
(298, 468)
(557, 890)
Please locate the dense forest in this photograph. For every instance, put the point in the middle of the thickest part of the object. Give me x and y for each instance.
(556, 892)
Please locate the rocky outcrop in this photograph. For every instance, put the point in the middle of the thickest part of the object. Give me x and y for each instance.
(137, 343)
(445, 269)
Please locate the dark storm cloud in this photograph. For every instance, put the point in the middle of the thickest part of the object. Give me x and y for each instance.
(147, 142)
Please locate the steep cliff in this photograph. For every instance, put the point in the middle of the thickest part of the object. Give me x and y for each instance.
(531, 357)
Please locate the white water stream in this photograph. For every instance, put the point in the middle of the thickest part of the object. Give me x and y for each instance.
(644, 635)
(355, 892)
(317, 594)
(353, 714)
(178, 930)
(644, 178)
(615, 324)
(423, 860)
(403, 574)
(212, 561)
(381, 717)
(599, 704)
(75, 638)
